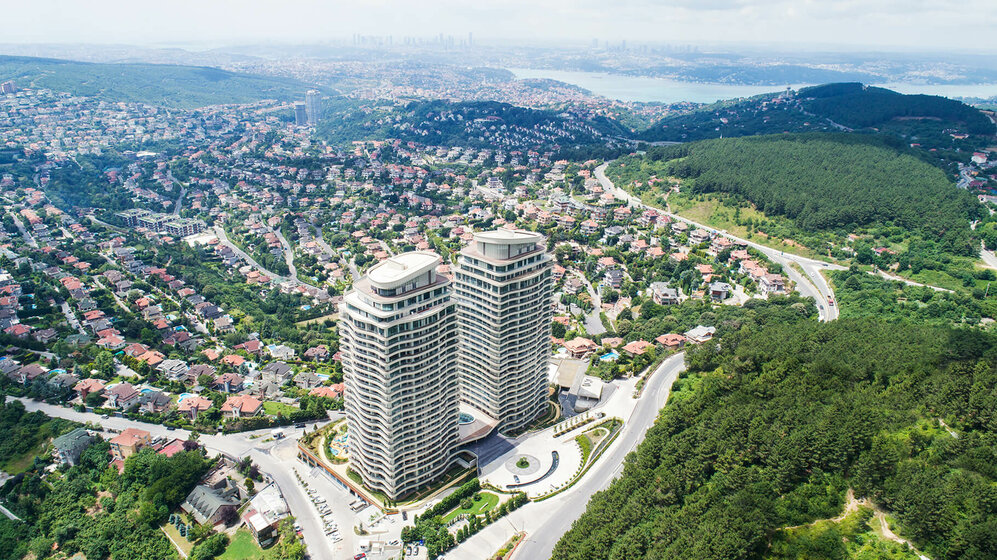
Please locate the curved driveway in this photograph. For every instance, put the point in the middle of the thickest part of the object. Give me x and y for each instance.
(545, 522)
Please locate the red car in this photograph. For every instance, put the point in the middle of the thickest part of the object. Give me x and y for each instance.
(360, 556)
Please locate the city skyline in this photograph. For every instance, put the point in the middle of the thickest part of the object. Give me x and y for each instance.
(846, 25)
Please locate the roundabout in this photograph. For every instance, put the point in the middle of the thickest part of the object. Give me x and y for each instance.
(522, 465)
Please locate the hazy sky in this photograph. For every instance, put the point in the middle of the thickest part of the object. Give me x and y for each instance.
(905, 24)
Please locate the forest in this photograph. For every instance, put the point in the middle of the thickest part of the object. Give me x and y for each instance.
(827, 182)
(770, 427)
(25, 433)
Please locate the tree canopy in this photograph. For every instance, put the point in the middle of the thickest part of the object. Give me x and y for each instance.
(769, 427)
(828, 182)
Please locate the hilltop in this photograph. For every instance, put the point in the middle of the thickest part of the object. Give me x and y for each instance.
(156, 84)
(926, 120)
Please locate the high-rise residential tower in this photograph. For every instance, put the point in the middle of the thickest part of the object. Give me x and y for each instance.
(300, 113)
(399, 346)
(503, 287)
(313, 106)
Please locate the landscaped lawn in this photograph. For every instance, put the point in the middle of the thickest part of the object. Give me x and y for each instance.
(487, 502)
(273, 408)
(184, 544)
(242, 547)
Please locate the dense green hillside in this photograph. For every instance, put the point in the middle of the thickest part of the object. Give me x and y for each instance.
(771, 426)
(747, 117)
(156, 84)
(858, 106)
(927, 120)
(822, 182)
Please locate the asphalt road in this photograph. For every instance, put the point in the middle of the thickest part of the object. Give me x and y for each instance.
(812, 284)
(989, 259)
(545, 522)
(223, 238)
(28, 239)
(593, 320)
(288, 252)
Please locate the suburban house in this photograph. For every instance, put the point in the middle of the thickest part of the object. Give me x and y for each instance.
(88, 386)
(580, 347)
(239, 406)
(251, 346)
(318, 353)
(194, 405)
(329, 392)
(173, 369)
(154, 402)
(128, 443)
(698, 236)
(68, 447)
(280, 352)
(614, 277)
(27, 374)
(637, 347)
(700, 334)
(228, 383)
(720, 291)
(307, 380)
(264, 513)
(661, 294)
(212, 506)
(122, 396)
(197, 370)
(772, 284)
(671, 341)
(277, 372)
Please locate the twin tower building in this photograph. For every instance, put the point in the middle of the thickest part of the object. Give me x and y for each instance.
(415, 345)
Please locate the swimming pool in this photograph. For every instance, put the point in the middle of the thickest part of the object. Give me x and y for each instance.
(609, 357)
(464, 418)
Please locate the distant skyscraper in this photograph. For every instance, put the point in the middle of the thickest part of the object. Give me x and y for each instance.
(300, 113)
(399, 345)
(7, 87)
(503, 287)
(313, 106)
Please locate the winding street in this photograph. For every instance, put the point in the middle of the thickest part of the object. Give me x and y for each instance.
(28, 239)
(288, 252)
(545, 522)
(593, 322)
(989, 258)
(811, 283)
(277, 278)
